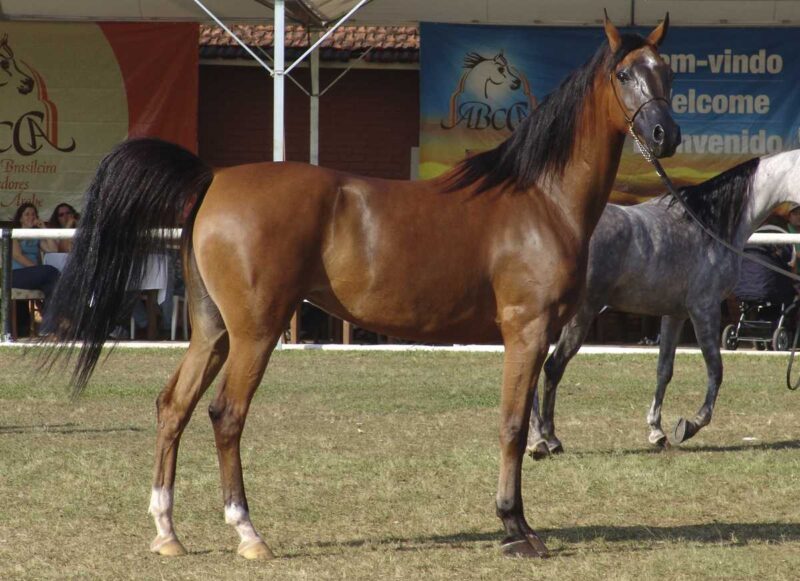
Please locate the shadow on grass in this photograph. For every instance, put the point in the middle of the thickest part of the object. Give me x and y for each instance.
(729, 534)
(70, 428)
(689, 448)
(782, 445)
(714, 532)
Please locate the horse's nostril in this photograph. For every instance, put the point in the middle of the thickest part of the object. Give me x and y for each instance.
(658, 134)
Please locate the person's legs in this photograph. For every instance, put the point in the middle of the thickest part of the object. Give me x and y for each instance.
(139, 314)
(42, 277)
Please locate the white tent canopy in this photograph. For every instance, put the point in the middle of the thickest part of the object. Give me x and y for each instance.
(397, 12)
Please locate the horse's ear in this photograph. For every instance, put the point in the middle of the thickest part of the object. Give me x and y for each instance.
(612, 33)
(660, 32)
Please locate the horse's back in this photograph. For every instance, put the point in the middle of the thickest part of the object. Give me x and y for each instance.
(649, 259)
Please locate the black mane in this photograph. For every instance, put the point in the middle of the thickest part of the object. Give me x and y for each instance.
(719, 202)
(542, 144)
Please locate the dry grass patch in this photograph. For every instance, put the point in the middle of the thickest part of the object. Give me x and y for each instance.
(383, 465)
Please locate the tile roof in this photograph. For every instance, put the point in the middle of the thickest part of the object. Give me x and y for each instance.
(389, 43)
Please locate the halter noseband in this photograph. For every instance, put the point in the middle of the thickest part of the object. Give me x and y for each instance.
(630, 120)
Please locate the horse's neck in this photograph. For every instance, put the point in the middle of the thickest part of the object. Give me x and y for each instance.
(590, 173)
(776, 180)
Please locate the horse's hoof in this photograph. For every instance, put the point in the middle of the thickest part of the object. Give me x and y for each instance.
(684, 430)
(530, 547)
(557, 448)
(169, 547)
(540, 451)
(255, 549)
(662, 443)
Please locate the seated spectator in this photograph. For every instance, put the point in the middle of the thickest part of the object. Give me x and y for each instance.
(28, 272)
(64, 216)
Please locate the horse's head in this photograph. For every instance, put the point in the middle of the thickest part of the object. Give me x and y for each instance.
(640, 84)
(501, 73)
(492, 74)
(10, 71)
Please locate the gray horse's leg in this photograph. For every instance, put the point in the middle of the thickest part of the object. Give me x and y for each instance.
(706, 327)
(670, 333)
(542, 440)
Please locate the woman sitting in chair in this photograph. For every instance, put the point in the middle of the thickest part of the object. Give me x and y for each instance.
(28, 272)
(64, 216)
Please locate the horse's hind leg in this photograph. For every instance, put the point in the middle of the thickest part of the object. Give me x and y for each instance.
(207, 352)
(706, 325)
(542, 440)
(670, 333)
(256, 335)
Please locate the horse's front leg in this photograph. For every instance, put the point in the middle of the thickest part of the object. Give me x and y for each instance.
(706, 328)
(670, 333)
(542, 440)
(525, 350)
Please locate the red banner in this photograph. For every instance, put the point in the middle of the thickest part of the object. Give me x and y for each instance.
(71, 92)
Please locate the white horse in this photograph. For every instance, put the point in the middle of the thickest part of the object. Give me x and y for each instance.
(653, 259)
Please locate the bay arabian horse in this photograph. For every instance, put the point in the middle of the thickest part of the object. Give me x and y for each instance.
(495, 250)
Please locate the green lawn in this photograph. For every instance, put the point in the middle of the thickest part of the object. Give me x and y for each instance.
(367, 465)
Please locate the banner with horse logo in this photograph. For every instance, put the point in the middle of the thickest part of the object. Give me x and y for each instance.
(70, 92)
(735, 94)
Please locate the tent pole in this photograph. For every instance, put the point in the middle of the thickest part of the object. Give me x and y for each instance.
(314, 105)
(278, 149)
(313, 144)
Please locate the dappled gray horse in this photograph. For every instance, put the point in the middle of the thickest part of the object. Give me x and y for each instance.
(653, 259)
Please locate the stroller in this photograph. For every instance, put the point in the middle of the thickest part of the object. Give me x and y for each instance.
(767, 301)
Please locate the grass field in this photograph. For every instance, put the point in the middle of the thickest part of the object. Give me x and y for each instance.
(384, 465)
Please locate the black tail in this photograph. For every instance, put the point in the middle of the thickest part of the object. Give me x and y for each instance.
(141, 188)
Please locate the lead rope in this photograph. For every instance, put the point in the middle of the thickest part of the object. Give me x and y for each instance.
(789, 384)
(648, 155)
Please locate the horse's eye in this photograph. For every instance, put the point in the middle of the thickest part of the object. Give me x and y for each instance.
(623, 76)
(501, 70)
(4, 64)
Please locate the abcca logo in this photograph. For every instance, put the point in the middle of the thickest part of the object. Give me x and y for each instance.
(29, 119)
(491, 94)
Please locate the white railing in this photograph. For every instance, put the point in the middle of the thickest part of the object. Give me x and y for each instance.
(773, 238)
(65, 233)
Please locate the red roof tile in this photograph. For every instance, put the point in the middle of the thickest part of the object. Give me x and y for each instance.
(353, 38)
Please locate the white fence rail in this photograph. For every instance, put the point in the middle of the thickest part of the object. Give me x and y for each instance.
(65, 233)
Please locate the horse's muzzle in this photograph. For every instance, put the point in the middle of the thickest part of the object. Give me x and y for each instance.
(656, 128)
